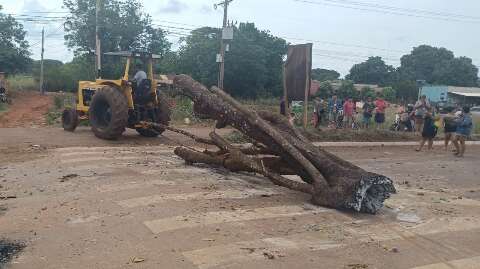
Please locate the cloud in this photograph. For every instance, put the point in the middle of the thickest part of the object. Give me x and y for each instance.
(174, 6)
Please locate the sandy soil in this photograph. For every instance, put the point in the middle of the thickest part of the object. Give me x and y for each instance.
(28, 110)
(79, 202)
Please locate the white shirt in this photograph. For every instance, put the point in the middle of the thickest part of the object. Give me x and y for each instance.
(139, 77)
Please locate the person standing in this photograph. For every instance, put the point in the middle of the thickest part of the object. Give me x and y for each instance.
(348, 113)
(464, 130)
(380, 107)
(421, 108)
(368, 108)
(333, 108)
(319, 111)
(429, 131)
(449, 126)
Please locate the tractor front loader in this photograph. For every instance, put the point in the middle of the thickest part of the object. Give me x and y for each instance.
(111, 106)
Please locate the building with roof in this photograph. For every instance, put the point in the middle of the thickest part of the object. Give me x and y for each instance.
(451, 94)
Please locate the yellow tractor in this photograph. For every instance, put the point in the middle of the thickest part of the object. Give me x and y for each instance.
(111, 106)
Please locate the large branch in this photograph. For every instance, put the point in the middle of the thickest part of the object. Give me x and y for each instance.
(334, 181)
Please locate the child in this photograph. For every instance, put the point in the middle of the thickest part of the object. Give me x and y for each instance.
(464, 129)
(429, 131)
(449, 126)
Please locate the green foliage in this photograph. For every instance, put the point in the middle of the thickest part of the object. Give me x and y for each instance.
(123, 26)
(406, 90)
(438, 66)
(367, 92)
(324, 74)
(14, 54)
(21, 83)
(254, 60)
(389, 94)
(325, 90)
(3, 107)
(372, 71)
(347, 90)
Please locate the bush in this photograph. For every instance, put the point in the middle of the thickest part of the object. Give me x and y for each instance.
(21, 83)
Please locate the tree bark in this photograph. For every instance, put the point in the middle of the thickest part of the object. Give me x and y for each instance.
(332, 181)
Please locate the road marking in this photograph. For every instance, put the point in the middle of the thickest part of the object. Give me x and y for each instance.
(116, 158)
(156, 149)
(216, 217)
(468, 263)
(227, 194)
(214, 256)
(243, 251)
(133, 185)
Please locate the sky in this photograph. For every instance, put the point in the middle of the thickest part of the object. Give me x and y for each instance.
(344, 32)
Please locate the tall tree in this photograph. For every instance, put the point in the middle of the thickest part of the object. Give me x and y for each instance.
(253, 64)
(123, 26)
(324, 74)
(372, 71)
(438, 66)
(14, 54)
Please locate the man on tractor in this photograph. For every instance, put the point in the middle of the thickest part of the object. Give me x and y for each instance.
(140, 75)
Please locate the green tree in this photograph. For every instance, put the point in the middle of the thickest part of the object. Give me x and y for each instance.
(325, 90)
(367, 92)
(324, 74)
(14, 54)
(406, 90)
(389, 94)
(253, 63)
(123, 26)
(347, 90)
(438, 66)
(372, 71)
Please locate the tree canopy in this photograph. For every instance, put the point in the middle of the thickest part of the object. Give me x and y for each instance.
(438, 66)
(123, 26)
(324, 74)
(14, 53)
(372, 71)
(254, 60)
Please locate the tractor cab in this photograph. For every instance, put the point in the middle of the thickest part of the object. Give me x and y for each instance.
(131, 101)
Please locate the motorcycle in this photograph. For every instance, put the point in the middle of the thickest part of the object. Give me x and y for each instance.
(4, 97)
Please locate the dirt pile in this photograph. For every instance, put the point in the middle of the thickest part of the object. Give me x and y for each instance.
(28, 110)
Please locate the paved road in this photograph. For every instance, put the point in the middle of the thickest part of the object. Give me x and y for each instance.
(141, 207)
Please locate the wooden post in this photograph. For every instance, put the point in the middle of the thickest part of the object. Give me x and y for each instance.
(307, 87)
(285, 92)
(42, 87)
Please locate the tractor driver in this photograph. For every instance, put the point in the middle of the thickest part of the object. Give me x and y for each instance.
(140, 75)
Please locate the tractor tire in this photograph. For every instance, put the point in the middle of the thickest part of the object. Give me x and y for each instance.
(108, 113)
(163, 117)
(69, 120)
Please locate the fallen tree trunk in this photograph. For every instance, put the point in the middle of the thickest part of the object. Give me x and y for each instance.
(331, 181)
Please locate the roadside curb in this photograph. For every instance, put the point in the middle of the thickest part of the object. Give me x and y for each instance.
(382, 144)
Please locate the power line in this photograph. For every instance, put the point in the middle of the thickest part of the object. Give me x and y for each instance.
(384, 11)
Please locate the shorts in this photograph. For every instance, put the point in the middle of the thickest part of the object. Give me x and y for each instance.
(419, 120)
(379, 118)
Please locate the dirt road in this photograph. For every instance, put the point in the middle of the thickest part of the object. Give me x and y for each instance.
(79, 202)
(27, 110)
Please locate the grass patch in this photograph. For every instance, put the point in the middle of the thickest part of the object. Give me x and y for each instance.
(3, 107)
(19, 83)
(60, 102)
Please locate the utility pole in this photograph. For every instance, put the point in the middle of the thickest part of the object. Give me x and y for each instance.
(98, 45)
(42, 90)
(221, 74)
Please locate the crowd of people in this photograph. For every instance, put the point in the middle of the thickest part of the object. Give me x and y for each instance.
(421, 118)
(337, 113)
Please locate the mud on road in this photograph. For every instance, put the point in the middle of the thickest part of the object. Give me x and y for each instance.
(85, 203)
